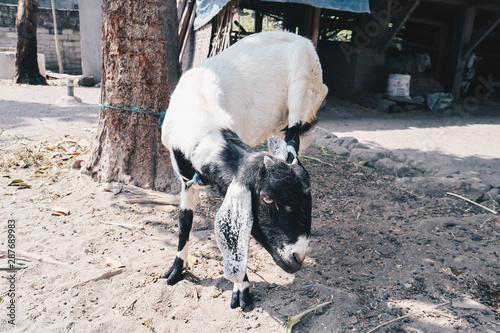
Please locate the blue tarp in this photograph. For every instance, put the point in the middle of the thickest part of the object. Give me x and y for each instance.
(356, 6)
(207, 9)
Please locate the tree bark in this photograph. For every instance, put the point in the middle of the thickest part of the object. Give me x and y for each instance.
(27, 70)
(140, 57)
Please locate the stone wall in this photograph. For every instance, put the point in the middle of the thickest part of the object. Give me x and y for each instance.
(68, 26)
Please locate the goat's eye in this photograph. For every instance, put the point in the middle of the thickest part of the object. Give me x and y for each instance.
(267, 199)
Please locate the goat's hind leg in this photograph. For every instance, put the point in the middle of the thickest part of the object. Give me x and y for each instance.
(241, 295)
(189, 200)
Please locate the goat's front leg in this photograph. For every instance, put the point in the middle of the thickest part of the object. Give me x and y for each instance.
(292, 138)
(189, 200)
(241, 295)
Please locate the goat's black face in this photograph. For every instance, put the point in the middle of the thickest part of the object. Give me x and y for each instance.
(281, 207)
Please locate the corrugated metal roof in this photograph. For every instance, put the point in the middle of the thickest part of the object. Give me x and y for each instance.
(207, 9)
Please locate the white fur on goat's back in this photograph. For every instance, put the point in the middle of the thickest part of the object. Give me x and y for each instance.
(256, 87)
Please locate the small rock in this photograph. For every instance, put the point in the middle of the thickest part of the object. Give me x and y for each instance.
(337, 149)
(347, 142)
(430, 186)
(321, 133)
(368, 155)
(398, 169)
(407, 285)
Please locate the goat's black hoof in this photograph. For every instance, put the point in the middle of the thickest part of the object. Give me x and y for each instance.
(242, 299)
(174, 274)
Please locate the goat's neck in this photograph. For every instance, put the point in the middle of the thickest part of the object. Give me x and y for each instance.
(230, 160)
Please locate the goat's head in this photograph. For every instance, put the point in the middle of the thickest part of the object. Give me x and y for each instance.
(423, 62)
(270, 199)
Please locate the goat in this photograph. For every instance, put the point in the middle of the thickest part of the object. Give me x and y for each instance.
(409, 63)
(262, 85)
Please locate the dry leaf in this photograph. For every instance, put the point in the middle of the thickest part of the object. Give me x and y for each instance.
(113, 263)
(60, 211)
(19, 183)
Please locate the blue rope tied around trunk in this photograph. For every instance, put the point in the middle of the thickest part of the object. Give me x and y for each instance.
(160, 114)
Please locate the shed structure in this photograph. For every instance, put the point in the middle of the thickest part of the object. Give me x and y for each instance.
(357, 40)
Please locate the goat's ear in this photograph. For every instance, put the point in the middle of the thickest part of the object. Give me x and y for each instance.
(277, 147)
(233, 224)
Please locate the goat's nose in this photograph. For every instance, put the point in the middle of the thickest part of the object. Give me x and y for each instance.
(297, 258)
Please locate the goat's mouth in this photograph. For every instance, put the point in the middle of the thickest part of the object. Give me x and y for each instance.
(291, 257)
(289, 265)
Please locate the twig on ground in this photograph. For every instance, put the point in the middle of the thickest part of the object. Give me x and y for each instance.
(38, 258)
(124, 225)
(472, 202)
(104, 276)
(10, 267)
(173, 202)
(488, 220)
(405, 316)
(316, 159)
(297, 318)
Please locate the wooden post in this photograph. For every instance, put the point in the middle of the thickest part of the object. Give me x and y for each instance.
(485, 30)
(315, 28)
(440, 44)
(462, 34)
(258, 21)
(401, 20)
(56, 39)
(184, 38)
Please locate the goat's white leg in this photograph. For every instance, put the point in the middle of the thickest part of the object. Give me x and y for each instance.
(241, 295)
(306, 93)
(189, 200)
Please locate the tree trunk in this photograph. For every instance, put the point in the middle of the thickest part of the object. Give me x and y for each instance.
(140, 56)
(27, 70)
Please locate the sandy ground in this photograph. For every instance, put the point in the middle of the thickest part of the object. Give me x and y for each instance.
(455, 131)
(379, 252)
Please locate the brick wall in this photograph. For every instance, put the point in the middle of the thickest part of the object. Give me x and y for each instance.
(68, 26)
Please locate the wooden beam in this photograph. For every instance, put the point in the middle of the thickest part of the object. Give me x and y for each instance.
(185, 38)
(485, 30)
(426, 21)
(315, 28)
(450, 2)
(183, 23)
(480, 3)
(461, 36)
(400, 21)
(259, 17)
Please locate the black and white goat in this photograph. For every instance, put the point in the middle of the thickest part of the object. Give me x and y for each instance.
(260, 86)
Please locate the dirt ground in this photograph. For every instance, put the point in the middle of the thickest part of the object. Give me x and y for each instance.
(382, 254)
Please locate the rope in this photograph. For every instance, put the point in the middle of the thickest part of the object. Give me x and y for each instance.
(196, 180)
(160, 114)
